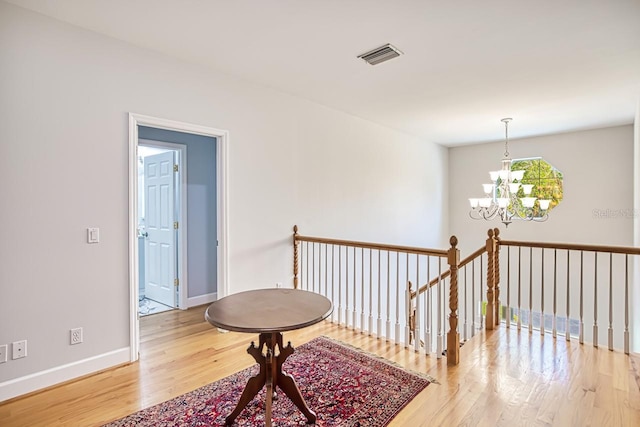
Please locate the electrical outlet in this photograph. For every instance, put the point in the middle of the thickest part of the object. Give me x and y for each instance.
(19, 349)
(3, 353)
(76, 336)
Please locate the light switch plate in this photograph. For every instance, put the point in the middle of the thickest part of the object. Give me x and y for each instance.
(93, 235)
(3, 353)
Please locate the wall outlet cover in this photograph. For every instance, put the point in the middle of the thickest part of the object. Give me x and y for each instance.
(76, 336)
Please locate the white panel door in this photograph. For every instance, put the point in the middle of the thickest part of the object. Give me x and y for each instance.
(160, 243)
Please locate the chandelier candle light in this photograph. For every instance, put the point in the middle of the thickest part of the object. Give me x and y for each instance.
(501, 197)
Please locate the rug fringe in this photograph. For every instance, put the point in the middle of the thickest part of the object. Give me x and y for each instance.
(382, 359)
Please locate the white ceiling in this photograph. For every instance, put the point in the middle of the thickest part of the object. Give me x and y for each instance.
(554, 66)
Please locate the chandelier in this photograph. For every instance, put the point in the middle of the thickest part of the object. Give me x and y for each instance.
(507, 198)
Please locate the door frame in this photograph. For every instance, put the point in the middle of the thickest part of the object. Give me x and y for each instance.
(181, 203)
(222, 162)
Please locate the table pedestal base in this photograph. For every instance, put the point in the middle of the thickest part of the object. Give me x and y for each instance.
(271, 375)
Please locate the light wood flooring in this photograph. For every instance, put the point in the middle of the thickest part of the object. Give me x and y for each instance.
(505, 377)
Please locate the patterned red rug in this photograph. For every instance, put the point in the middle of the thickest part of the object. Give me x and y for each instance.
(342, 384)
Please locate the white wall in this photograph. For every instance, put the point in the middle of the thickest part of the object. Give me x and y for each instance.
(598, 176)
(291, 161)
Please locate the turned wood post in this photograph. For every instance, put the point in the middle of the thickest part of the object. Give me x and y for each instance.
(496, 275)
(453, 338)
(295, 257)
(490, 322)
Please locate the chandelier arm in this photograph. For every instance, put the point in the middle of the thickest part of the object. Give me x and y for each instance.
(526, 215)
(490, 213)
(542, 218)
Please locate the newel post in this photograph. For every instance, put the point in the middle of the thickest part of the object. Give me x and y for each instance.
(295, 257)
(453, 338)
(496, 276)
(490, 322)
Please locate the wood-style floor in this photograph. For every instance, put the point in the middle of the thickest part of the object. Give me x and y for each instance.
(505, 377)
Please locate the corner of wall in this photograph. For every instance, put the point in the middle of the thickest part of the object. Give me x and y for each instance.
(635, 288)
(636, 176)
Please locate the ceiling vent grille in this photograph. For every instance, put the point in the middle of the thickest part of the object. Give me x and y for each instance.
(380, 54)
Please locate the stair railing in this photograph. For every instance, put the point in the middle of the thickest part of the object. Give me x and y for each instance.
(369, 285)
(366, 280)
(466, 280)
(578, 282)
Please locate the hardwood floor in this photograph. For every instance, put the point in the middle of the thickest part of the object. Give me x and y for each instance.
(505, 377)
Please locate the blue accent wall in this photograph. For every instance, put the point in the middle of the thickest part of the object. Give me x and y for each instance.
(201, 206)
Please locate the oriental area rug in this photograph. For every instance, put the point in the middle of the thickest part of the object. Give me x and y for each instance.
(343, 385)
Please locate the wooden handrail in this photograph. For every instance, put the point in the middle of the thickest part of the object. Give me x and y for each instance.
(367, 245)
(473, 256)
(447, 273)
(574, 246)
(567, 246)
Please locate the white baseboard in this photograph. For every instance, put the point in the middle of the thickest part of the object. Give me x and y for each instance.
(39, 380)
(202, 299)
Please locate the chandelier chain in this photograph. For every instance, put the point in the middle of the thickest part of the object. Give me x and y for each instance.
(506, 137)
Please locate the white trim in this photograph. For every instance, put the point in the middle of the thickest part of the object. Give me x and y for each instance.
(222, 195)
(134, 275)
(182, 275)
(222, 162)
(202, 299)
(39, 380)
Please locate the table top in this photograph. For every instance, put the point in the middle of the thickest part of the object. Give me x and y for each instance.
(268, 310)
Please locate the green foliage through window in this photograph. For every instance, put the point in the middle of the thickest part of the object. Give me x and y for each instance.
(547, 181)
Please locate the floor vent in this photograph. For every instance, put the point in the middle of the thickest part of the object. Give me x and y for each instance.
(380, 54)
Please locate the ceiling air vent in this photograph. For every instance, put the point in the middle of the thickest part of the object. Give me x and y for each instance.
(380, 54)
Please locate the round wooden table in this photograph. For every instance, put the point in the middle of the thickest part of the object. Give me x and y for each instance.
(269, 312)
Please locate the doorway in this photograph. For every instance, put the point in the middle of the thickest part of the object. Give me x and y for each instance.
(161, 174)
(183, 291)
